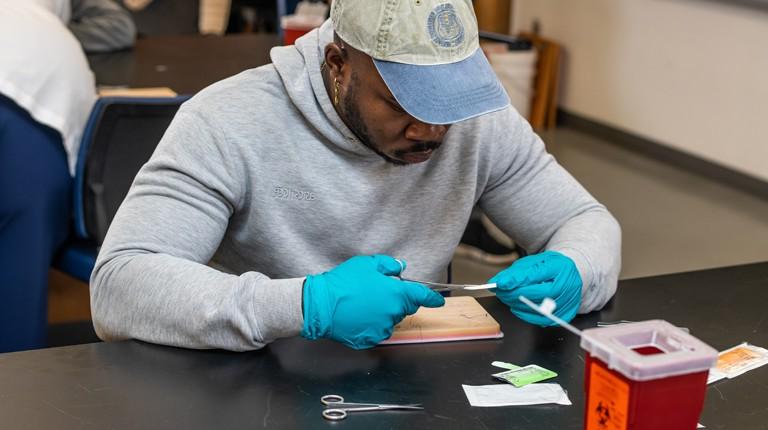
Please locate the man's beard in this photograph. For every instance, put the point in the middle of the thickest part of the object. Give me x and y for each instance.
(357, 125)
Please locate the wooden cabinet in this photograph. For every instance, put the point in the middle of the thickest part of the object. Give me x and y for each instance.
(493, 15)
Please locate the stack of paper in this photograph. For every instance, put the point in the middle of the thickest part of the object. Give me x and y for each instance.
(136, 92)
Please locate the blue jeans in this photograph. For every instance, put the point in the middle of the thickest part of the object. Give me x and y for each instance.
(35, 188)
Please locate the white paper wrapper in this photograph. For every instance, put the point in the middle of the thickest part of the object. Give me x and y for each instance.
(509, 395)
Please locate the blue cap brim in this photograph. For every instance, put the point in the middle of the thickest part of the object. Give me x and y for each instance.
(445, 93)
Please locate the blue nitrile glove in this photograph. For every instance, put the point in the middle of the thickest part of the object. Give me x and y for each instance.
(358, 303)
(549, 274)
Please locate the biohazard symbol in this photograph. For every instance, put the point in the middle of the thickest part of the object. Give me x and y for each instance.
(603, 415)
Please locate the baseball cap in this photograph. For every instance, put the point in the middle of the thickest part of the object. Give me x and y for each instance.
(428, 54)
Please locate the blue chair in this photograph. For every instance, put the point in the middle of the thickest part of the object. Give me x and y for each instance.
(120, 136)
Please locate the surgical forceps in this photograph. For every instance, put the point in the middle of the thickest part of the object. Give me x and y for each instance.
(441, 287)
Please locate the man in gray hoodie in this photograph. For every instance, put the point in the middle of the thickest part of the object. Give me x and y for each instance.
(278, 199)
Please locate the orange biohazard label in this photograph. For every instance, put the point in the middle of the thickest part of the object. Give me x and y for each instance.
(608, 404)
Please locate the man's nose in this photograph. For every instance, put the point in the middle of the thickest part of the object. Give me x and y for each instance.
(422, 131)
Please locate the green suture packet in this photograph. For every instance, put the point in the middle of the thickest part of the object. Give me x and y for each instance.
(525, 375)
(503, 365)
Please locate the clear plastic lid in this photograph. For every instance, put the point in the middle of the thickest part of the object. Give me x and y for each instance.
(648, 350)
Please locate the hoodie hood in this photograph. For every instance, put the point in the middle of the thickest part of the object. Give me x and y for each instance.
(299, 68)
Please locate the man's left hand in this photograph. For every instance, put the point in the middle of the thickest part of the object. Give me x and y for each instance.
(549, 274)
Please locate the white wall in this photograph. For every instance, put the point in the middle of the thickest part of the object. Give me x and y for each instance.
(692, 74)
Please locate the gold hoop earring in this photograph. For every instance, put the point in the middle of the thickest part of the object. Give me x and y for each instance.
(335, 92)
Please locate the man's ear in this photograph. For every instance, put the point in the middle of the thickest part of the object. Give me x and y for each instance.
(336, 59)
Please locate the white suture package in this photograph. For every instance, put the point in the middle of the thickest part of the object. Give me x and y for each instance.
(509, 395)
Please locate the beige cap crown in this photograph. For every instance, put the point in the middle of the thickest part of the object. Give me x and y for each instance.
(420, 32)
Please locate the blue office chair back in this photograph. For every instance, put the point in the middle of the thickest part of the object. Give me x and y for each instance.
(120, 136)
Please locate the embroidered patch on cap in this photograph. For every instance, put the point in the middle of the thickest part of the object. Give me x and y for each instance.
(444, 26)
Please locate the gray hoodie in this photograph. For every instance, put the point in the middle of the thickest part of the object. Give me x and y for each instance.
(101, 25)
(258, 183)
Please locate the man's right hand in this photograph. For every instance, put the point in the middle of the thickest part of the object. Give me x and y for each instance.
(358, 303)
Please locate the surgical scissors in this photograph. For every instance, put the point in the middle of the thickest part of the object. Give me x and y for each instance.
(337, 408)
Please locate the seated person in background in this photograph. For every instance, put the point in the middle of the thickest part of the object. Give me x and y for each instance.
(101, 25)
(372, 138)
(157, 17)
(46, 95)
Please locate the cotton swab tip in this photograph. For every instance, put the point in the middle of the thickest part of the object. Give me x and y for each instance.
(548, 306)
(480, 287)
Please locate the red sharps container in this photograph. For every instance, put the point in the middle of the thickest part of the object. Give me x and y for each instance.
(647, 375)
